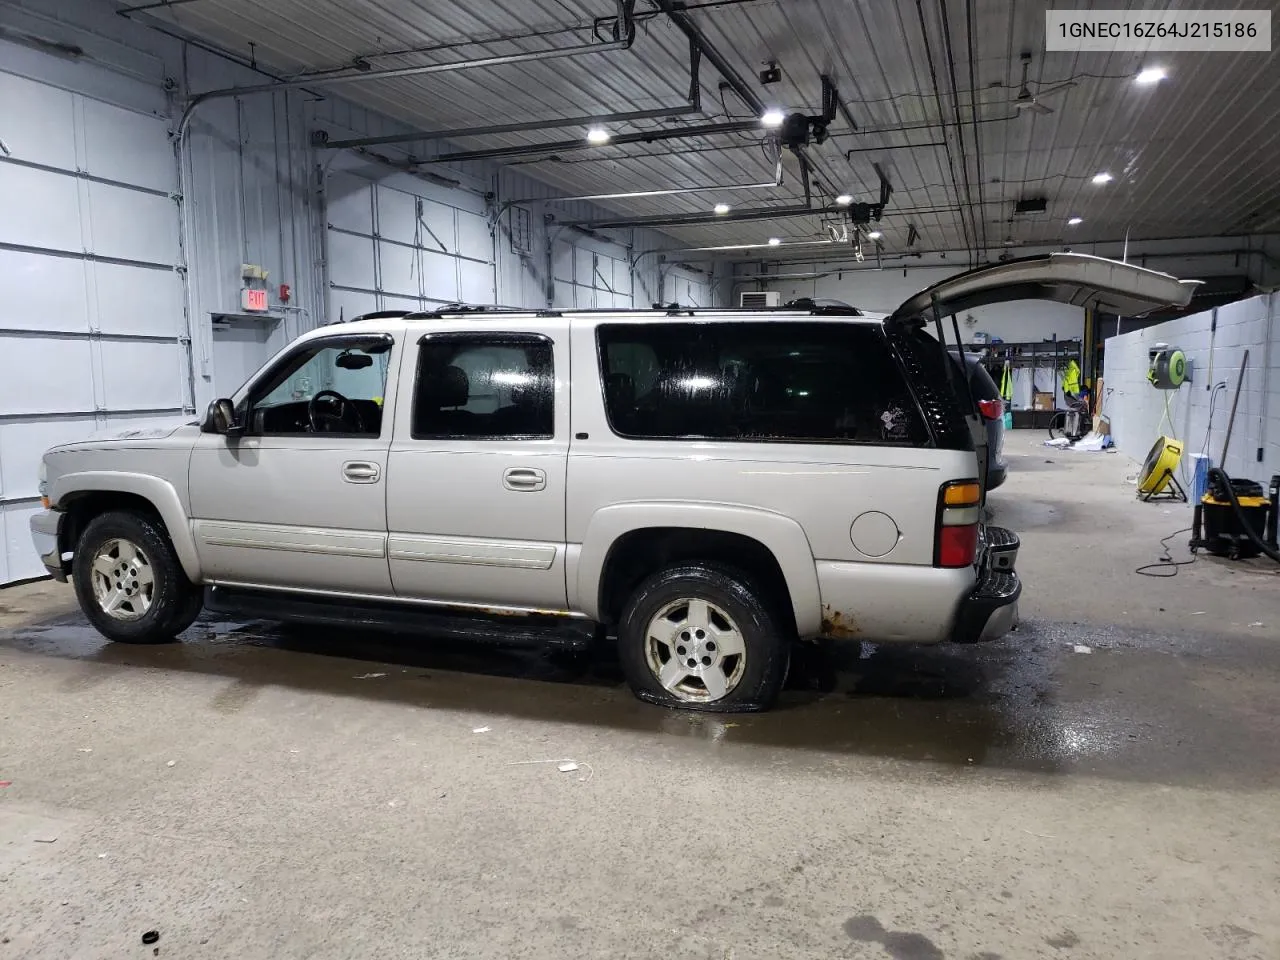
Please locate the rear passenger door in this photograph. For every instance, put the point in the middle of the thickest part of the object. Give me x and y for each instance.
(476, 472)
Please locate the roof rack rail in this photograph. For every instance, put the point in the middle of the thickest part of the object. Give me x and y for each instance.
(378, 315)
(823, 305)
(445, 309)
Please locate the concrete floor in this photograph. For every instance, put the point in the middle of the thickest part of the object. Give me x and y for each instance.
(256, 792)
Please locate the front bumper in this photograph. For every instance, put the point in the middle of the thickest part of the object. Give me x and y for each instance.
(991, 608)
(46, 534)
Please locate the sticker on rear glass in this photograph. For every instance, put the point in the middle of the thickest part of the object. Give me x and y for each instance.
(894, 423)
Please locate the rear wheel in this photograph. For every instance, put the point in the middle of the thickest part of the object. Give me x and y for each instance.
(703, 638)
(129, 581)
(1058, 426)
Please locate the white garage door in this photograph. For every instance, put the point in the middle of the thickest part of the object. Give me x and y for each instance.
(687, 289)
(92, 327)
(588, 278)
(390, 248)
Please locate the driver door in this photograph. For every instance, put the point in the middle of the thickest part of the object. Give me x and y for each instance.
(298, 499)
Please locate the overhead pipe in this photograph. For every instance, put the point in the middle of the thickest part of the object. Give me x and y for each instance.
(625, 33)
(564, 146)
(905, 146)
(458, 133)
(855, 211)
(667, 192)
(693, 104)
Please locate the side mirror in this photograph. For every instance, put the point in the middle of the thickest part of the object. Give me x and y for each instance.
(221, 418)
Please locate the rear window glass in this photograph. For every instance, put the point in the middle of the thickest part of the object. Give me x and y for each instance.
(799, 382)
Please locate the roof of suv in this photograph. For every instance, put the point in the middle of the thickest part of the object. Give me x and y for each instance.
(383, 319)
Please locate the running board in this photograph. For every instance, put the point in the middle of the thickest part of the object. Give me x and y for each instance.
(444, 623)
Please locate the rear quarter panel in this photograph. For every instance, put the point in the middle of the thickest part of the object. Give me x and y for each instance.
(823, 488)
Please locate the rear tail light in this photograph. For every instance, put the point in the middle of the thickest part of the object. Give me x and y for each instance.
(991, 409)
(959, 512)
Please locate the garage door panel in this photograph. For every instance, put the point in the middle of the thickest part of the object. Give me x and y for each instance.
(474, 240)
(349, 304)
(397, 215)
(128, 146)
(476, 282)
(351, 261)
(349, 202)
(23, 443)
(562, 261)
(39, 209)
(438, 227)
(440, 276)
(584, 267)
(39, 122)
(399, 269)
(564, 295)
(138, 300)
(39, 292)
(22, 562)
(142, 376)
(45, 375)
(132, 225)
(401, 303)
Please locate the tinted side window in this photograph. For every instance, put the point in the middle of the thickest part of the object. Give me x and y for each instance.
(810, 382)
(484, 386)
(943, 408)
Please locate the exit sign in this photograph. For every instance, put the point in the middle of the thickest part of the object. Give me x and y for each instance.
(253, 300)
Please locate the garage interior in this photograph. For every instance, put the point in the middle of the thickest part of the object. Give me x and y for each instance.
(195, 183)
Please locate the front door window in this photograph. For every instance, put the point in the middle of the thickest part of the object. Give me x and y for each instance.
(332, 386)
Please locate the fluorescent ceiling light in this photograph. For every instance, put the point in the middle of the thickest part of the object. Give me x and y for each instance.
(1074, 222)
(1101, 178)
(597, 135)
(874, 235)
(773, 118)
(844, 199)
(1150, 75)
(722, 208)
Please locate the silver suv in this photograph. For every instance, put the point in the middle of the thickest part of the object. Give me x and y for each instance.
(708, 486)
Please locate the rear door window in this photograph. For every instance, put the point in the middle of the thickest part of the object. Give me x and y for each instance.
(796, 382)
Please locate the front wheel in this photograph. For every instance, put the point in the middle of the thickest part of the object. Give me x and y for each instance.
(1057, 426)
(129, 581)
(703, 638)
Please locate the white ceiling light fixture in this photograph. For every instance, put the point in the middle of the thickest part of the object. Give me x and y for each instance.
(1100, 178)
(722, 208)
(773, 118)
(874, 235)
(774, 241)
(844, 199)
(1150, 75)
(1075, 222)
(597, 135)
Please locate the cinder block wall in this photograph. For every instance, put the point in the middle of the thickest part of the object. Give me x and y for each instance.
(1138, 412)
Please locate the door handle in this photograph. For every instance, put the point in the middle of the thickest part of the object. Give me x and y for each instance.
(360, 471)
(524, 479)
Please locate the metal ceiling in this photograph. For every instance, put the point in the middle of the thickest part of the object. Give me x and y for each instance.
(930, 85)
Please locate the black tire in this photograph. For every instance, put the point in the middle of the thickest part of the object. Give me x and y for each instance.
(766, 635)
(1057, 426)
(175, 601)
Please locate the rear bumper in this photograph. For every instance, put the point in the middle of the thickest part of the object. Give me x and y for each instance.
(46, 534)
(991, 609)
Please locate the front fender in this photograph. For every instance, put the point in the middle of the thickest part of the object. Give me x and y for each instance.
(784, 538)
(159, 493)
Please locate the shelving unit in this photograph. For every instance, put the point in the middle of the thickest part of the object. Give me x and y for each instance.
(1037, 353)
